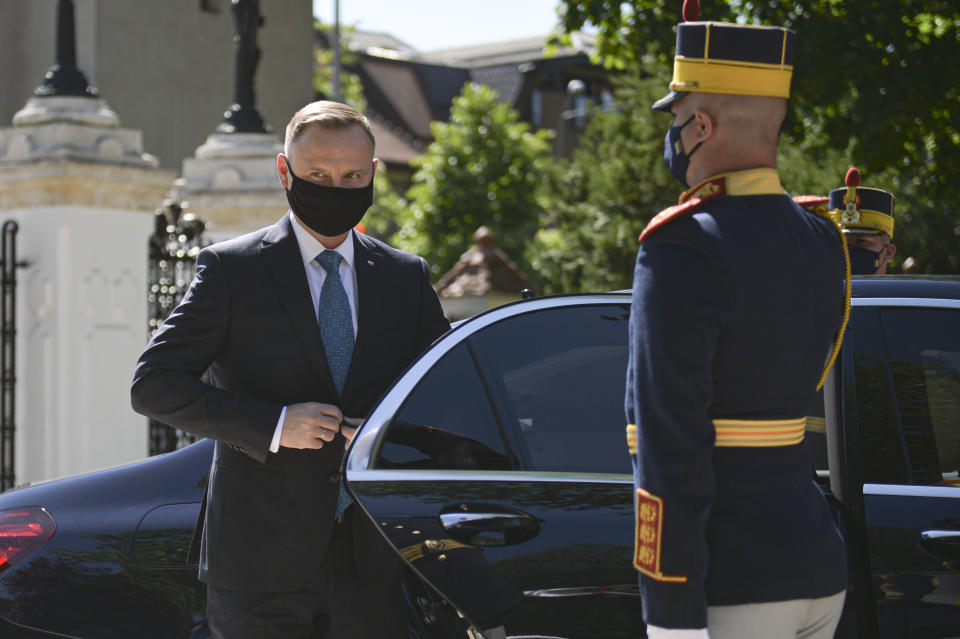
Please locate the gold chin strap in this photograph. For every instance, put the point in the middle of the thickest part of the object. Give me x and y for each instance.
(847, 294)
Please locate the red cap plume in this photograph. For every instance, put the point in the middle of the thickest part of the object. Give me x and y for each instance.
(853, 177)
(691, 10)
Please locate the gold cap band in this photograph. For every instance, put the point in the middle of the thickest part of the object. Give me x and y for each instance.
(725, 76)
(869, 220)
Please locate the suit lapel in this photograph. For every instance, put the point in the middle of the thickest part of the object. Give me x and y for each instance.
(371, 288)
(281, 252)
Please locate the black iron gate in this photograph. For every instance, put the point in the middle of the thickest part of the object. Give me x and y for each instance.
(8, 359)
(177, 238)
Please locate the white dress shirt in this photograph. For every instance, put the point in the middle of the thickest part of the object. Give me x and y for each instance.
(310, 248)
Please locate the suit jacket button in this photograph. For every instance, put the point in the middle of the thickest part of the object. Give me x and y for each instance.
(334, 478)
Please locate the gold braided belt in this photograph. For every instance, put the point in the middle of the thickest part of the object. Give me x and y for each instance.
(756, 433)
(746, 433)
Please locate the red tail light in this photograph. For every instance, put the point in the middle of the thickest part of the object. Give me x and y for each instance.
(23, 530)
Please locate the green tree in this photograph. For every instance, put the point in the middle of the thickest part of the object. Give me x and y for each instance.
(606, 194)
(484, 168)
(389, 208)
(617, 181)
(871, 79)
(350, 85)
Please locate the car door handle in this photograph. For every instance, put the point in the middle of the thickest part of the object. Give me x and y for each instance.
(942, 543)
(488, 525)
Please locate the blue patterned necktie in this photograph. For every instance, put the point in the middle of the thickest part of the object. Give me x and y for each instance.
(336, 331)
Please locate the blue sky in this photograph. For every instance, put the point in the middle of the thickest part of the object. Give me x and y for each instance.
(436, 24)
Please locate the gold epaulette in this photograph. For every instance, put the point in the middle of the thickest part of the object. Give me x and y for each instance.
(690, 201)
(819, 204)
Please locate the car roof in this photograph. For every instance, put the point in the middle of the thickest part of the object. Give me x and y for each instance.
(865, 287)
(907, 286)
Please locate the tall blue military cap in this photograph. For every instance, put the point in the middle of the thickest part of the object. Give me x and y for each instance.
(719, 57)
(860, 210)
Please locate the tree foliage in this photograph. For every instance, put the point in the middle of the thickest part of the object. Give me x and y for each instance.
(350, 84)
(384, 216)
(484, 168)
(872, 79)
(614, 184)
(616, 181)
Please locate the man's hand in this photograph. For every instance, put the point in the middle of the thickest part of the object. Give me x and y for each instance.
(349, 431)
(310, 425)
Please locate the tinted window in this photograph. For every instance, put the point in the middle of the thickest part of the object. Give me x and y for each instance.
(907, 368)
(560, 374)
(447, 422)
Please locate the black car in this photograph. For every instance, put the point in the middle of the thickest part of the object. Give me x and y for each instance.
(497, 466)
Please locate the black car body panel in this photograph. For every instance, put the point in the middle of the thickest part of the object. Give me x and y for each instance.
(497, 467)
(115, 567)
(899, 460)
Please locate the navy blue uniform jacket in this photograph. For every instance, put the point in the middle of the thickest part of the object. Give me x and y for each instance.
(248, 322)
(737, 298)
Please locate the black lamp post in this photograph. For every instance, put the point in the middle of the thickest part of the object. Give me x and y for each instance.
(64, 78)
(575, 88)
(242, 116)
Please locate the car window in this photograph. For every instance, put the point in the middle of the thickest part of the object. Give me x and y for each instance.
(907, 372)
(561, 375)
(447, 422)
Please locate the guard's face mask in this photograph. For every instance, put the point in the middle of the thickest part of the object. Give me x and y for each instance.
(863, 261)
(676, 160)
(327, 210)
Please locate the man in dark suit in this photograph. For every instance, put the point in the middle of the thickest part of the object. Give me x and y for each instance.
(299, 328)
(737, 304)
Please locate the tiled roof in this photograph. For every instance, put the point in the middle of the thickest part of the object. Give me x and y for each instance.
(481, 270)
(515, 51)
(441, 84)
(394, 146)
(374, 41)
(505, 79)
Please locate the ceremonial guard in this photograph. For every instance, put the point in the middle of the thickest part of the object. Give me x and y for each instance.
(738, 310)
(866, 217)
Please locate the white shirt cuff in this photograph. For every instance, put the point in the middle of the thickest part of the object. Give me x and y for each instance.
(275, 442)
(654, 632)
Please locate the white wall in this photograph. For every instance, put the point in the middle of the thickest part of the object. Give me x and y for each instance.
(81, 319)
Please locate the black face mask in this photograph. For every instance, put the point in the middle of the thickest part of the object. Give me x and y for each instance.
(863, 261)
(327, 210)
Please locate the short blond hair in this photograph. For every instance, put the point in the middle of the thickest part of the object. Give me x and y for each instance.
(333, 116)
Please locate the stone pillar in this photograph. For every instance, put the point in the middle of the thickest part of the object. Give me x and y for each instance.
(83, 193)
(231, 182)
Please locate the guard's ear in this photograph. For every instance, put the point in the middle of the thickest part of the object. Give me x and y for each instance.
(704, 125)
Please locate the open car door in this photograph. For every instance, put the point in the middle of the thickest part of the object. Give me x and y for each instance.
(497, 466)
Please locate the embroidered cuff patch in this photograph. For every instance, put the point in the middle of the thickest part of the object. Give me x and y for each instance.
(646, 550)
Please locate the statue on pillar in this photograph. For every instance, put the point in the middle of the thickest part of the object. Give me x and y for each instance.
(64, 78)
(242, 116)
